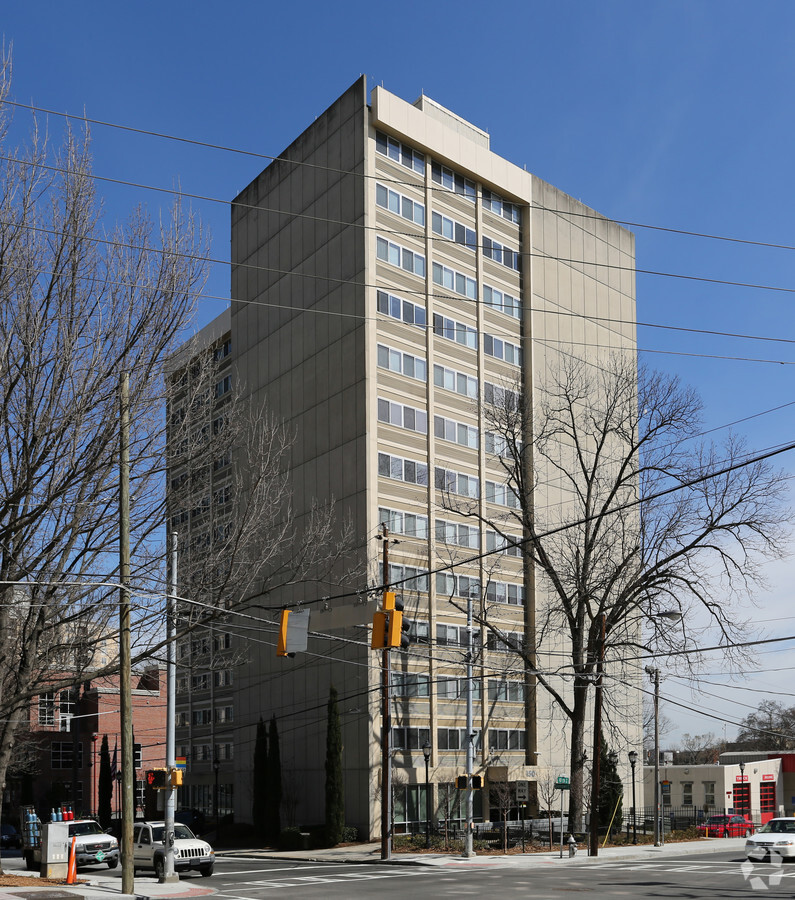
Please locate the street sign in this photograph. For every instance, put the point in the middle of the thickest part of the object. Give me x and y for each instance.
(181, 763)
(562, 783)
(522, 792)
(562, 779)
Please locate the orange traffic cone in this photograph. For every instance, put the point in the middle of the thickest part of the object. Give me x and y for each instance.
(71, 871)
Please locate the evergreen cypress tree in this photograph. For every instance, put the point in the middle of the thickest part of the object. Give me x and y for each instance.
(104, 785)
(335, 789)
(273, 797)
(260, 780)
(611, 791)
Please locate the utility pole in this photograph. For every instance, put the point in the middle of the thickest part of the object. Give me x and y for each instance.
(169, 875)
(593, 849)
(654, 674)
(468, 846)
(386, 723)
(125, 675)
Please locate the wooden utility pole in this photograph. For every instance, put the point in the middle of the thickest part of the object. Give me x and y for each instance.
(125, 677)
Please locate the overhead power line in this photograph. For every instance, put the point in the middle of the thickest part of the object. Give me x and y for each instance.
(253, 154)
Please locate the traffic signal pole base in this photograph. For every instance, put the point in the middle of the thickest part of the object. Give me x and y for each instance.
(168, 879)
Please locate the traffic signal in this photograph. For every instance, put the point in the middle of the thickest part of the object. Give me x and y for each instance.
(176, 777)
(389, 629)
(475, 780)
(158, 779)
(293, 632)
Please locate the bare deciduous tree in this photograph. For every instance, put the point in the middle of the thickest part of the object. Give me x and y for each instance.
(624, 512)
(78, 306)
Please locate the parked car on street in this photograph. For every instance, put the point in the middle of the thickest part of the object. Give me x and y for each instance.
(774, 838)
(723, 825)
(10, 838)
(189, 851)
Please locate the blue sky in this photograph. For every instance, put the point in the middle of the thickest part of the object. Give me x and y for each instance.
(672, 114)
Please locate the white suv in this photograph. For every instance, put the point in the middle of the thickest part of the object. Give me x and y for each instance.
(189, 851)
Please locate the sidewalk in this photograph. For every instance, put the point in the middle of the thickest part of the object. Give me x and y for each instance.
(105, 885)
(371, 853)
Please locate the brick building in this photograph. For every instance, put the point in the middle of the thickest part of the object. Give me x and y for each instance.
(62, 747)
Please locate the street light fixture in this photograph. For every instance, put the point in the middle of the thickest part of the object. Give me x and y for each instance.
(633, 758)
(426, 752)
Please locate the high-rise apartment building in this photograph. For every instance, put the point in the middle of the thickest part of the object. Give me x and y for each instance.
(392, 276)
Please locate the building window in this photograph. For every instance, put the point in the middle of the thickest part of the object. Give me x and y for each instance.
(455, 281)
(399, 522)
(455, 636)
(400, 469)
(453, 231)
(451, 380)
(403, 310)
(451, 180)
(224, 386)
(418, 632)
(183, 719)
(202, 716)
(202, 753)
(502, 495)
(500, 349)
(401, 416)
(410, 685)
(457, 585)
(709, 794)
(500, 592)
(225, 752)
(401, 257)
(455, 331)
(222, 641)
(399, 204)
(508, 544)
(410, 738)
(408, 578)
(62, 755)
(47, 708)
(503, 398)
(500, 253)
(224, 714)
(509, 640)
(200, 682)
(457, 432)
(687, 793)
(500, 207)
(223, 678)
(501, 690)
(410, 804)
(457, 534)
(455, 739)
(506, 739)
(456, 482)
(502, 302)
(402, 153)
(451, 687)
(402, 363)
(223, 350)
(67, 703)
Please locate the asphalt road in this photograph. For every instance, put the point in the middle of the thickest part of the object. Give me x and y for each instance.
(713, 875)
(708, 876)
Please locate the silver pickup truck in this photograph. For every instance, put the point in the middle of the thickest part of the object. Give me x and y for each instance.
(190, 852)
